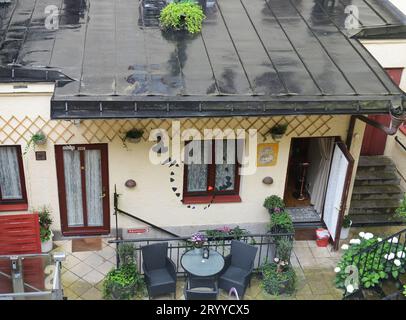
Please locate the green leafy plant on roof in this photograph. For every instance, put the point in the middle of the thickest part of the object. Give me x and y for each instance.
(183, 15)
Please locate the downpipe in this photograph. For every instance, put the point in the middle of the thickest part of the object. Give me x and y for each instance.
(397, 114)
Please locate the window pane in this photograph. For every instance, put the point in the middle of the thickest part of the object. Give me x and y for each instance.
(10, 184)
(73, 186)
(197, 167)
(225, 172)
(94, 189)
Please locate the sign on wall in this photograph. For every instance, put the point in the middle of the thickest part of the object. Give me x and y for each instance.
(267, 154)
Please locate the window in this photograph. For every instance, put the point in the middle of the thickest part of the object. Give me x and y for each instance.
(12, 185)
(211, 175)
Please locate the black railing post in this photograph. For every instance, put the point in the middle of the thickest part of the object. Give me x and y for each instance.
(116, 216)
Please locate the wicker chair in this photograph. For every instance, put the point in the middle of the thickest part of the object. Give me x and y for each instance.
(159, 270)
(238, 267)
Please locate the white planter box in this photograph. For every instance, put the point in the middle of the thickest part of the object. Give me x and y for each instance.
(344, 233)
(47, 245)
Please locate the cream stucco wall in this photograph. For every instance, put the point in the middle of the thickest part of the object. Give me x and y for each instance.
(392, 54)
(153, 198)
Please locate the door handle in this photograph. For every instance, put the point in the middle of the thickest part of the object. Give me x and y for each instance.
(102, 195)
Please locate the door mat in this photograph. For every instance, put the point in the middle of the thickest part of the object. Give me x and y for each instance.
(86, 244)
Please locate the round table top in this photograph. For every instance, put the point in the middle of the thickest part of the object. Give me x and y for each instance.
(193, 263)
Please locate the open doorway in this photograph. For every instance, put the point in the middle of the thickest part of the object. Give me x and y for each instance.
(307, 178)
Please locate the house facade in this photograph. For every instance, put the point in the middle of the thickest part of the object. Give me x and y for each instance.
(106, 69)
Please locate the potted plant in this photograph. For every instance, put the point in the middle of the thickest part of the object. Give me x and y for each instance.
(197, 240)
(38, 138)
(281, 223)
(133, 135)
(125, 282)
(274, 204)
(182, 15)
(278, 130)
(46, 233)
(347, 222)
(278, 278)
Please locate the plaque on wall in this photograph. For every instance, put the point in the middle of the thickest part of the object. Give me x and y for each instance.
(40, 155)
(267, 154)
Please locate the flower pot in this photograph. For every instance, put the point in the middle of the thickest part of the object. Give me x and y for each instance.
(41, 142)
(133, 140)
(47, 245)
(277, 137)
(344, 233)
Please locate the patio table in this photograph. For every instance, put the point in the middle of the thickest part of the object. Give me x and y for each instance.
(195, 265)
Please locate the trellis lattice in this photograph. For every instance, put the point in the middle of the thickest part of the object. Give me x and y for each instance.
(15, 130)
(108, 130)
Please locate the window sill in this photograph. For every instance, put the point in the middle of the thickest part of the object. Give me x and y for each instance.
(210, 199)
(13, 207)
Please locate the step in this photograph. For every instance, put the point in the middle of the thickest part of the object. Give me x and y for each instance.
(377, 175)
(377, 196)
(373, 211)
(375, 204)
(375, 219)
(385, 189)
(377, 182)
(374, 161)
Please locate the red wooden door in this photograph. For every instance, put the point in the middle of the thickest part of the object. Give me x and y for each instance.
(374, 139)
(82, 172)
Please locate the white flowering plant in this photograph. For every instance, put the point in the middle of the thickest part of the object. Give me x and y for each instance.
(387, 260)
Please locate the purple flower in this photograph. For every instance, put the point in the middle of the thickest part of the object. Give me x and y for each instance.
(198, 237)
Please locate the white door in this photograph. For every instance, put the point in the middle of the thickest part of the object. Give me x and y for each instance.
(337, 190)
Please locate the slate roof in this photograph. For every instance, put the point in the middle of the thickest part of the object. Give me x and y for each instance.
(109, 58)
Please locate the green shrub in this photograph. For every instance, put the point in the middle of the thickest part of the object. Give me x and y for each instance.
(387, 261)
(401, 211)
(284, 248)
(347, 222)
(274, 204)
(185, 15)
(127, 253)
(281, 222)
(123, 283)
(277, 280)
(404, 290)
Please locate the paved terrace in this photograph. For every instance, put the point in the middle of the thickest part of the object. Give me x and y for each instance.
(83, 273)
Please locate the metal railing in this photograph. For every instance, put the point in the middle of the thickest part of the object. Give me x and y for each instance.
(266, 244)
(381, 256)
(16, 277)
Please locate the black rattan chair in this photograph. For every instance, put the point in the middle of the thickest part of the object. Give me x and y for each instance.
(238, 267)
(159, 270)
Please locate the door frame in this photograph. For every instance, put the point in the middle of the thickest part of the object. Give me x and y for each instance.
(335, 137)
(85, 230)
(347, 181)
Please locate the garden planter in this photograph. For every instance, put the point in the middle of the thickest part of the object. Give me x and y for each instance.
(281, 283)
(119, 292)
